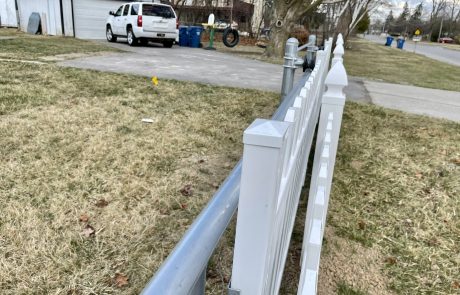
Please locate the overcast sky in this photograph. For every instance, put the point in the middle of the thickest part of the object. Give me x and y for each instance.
(397, 7)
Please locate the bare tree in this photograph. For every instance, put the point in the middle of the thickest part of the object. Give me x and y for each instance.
(437, 8)
(352, 13)
(453, 9)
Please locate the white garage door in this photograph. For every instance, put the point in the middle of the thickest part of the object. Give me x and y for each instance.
(90, 17)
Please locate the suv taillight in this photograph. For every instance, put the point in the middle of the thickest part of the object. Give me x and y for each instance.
(139, 20)
(177, 24)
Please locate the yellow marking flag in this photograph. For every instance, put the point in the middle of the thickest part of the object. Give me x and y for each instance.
(155, 81)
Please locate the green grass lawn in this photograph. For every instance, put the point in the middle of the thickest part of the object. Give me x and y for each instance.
(374, 61)
(91, 202)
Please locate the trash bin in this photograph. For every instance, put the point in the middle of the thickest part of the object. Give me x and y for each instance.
(183, 36)
(389, 41)
(195, 36)
(400, 43)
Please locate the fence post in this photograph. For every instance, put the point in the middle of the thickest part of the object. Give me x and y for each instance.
(290, 57)
(265, 142)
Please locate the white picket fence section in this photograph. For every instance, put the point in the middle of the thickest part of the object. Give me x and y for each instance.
(323, 168)
(274, 165)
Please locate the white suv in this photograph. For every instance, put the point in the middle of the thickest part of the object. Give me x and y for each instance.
(143, 22)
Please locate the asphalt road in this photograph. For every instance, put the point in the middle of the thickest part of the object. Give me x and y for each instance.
(432, 51)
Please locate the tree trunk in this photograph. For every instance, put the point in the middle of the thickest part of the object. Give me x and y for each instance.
(285, 15)
(278, 38)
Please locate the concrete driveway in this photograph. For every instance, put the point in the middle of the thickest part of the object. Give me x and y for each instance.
(198, 65)
(187, 64)
(437, 52)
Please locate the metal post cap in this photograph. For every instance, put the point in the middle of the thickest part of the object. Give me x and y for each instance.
(292, 41)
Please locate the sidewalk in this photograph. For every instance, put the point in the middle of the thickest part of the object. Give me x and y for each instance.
(411, 99)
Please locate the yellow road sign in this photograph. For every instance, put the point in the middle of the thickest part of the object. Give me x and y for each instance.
(417, 32)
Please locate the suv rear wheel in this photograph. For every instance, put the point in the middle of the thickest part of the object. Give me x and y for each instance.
(132, 40)
(109, 35)
(168, 44)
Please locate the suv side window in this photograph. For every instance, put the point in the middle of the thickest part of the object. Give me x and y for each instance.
(125, 12)
(118, 13)
(135, 9)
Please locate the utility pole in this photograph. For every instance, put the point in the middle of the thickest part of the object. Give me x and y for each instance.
(440, 29)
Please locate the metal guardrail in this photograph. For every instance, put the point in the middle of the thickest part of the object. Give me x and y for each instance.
(184, 271)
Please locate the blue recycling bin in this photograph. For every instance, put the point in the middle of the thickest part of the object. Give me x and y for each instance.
(195, 36)
(400, 43)
(389, 41)
(184, 39)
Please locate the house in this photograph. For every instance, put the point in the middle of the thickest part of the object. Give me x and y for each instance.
(76, 18)
(85, 19)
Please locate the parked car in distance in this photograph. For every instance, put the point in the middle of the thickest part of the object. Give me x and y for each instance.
(445, 40)
(143, 22)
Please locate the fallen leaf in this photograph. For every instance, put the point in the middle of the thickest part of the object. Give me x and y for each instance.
(455, 285)
(121, 280)
(84, 218)
(201, 161)
(391, 260)
(88, 231)
(101, 203)
(183, 206)
(418, 175)
(361, 225)
(456, 161)
(187, 190)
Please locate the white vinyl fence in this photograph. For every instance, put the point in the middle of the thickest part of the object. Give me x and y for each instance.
(266, 186)
(273, 172)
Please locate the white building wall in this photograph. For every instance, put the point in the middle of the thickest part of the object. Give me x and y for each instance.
(8, 17)
(67, 13)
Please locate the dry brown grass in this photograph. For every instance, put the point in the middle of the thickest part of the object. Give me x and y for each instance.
(394, 208)
(396, 188)
(70, 138)
(31, 47)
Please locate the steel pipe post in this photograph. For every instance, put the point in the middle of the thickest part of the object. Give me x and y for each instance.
(290, 58)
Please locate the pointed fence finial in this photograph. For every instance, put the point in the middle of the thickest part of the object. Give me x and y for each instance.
(338, 54)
